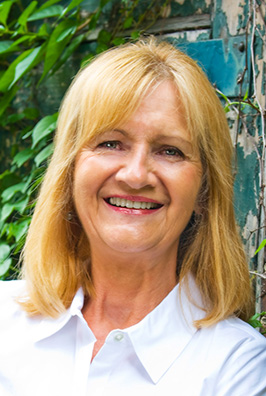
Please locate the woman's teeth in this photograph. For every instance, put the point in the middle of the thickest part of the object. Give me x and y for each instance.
(125, 203)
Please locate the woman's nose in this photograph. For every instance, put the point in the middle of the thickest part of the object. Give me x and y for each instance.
(136, 170)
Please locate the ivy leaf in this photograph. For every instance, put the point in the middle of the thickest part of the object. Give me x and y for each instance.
(4, 11)
(5, 261)
(4, 251)
(68, 51)
(44, 154)
(128, 23)
(49, 12)
(48, 4)
(104, 37)
(135, 35)
(66, 33)
(5, 46)
(12, 190)
(24, 17)
(9, 74)
(22, 157)
(19, 67)
(19, 229)
(43, 128)
(6, 99)
(73, 4)
(7, 209)
(21, 205)
(55, 48)
(118, 41)
(26, 64)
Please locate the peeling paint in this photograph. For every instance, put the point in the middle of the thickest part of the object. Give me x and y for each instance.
(249, 234)
(232, 13)
(190, 35)
(246, 186)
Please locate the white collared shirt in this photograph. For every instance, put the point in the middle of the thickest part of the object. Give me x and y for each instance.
(163, 355)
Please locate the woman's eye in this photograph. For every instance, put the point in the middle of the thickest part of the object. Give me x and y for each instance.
(173, 152)
(110, 145)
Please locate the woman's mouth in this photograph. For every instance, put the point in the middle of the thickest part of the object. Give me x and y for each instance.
(126, 203)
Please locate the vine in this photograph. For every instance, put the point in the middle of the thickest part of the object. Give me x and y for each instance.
(36, 42)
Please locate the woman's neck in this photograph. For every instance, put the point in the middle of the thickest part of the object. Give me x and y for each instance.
(127, 290)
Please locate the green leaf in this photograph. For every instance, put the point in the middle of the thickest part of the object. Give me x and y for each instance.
(69, 51)
(22, 157)
(104, 37)
(43, 128)
(21, 205)
(68, 32)
(6, 99)
(49, 12)
(118, 41)
(24, 17)
(7, 209)
(19, 67)
(9, 74)
(55, 48)
(73, 4)
(12, 190)
(5, 260)
(44, 154)
(5, 46)
(7, 179)
(48, 4)
(44, 30)
(4, 266)
(4, 11)
(4, 251)
(101, 48)
(19, 229)
(246, 95)
(263, 243)
(26, 64)
(128, 23)
(135, 35)
(21, 40)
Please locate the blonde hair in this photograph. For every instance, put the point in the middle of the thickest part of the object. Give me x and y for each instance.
(56, 254)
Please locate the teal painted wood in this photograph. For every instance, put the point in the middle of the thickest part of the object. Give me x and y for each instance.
(223, 60)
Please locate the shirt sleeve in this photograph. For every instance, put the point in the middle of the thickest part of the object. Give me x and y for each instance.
(244, 372)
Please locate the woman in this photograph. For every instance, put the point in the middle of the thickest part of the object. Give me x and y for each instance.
(134, 272)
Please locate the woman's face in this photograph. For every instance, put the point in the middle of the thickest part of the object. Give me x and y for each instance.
(136, 186)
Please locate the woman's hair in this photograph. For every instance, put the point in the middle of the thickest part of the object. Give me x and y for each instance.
(56, 257)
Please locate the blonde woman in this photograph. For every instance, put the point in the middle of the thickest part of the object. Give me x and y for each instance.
(135, 279)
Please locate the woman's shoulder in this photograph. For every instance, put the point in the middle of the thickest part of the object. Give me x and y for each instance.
(11, 289)
(235, 337)
(10, 292)
(239, 329)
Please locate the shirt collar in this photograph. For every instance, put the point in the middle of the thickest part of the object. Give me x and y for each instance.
(46, 327)
(158, 339)
(164, 333)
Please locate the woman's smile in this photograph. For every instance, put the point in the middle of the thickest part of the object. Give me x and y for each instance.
(136, 186)
(133, 205)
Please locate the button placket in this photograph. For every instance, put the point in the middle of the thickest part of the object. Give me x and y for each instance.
(118, 337)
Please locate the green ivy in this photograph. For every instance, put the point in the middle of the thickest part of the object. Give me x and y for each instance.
(36, 41)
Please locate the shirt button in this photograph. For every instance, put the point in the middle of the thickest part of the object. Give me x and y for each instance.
(119, 337)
